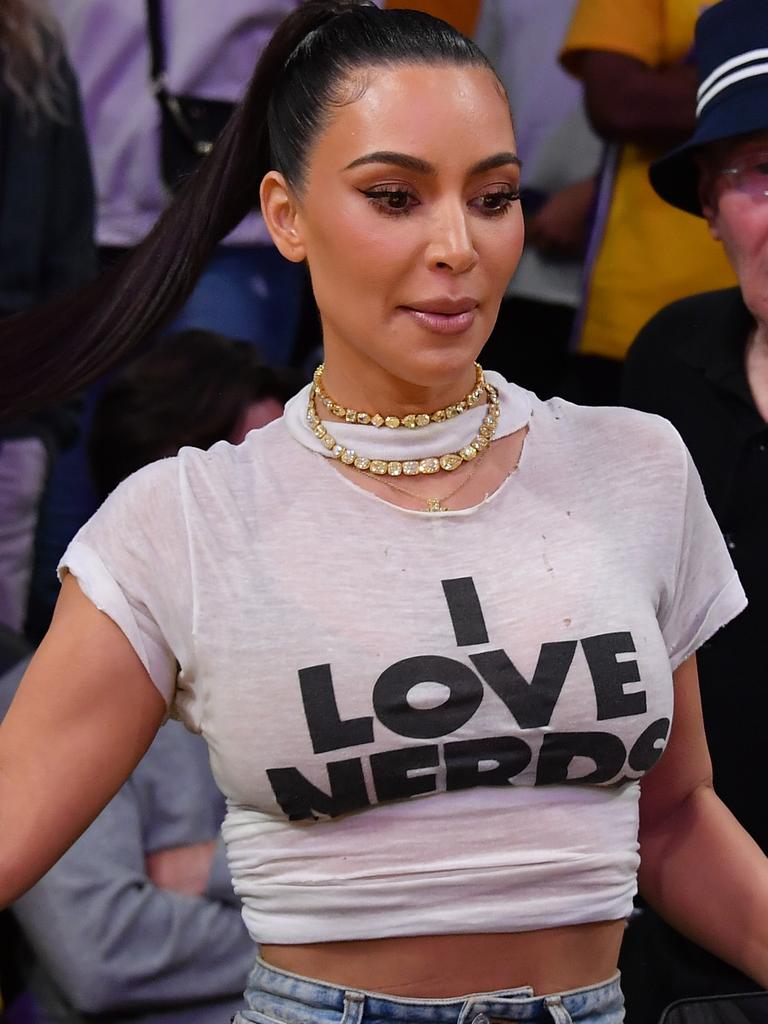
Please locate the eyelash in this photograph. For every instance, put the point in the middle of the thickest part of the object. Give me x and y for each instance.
(376, 195)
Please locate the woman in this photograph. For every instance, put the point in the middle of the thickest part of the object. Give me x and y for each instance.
(417, 583)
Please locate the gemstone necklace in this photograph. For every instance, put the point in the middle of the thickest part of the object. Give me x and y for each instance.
(448, 462)
(411, 420)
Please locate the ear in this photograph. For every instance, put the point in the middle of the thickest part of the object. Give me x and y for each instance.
(281, 215)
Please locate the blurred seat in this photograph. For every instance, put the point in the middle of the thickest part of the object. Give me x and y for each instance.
(744, 1008)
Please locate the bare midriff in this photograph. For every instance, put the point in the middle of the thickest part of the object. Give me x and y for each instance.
(444, 966)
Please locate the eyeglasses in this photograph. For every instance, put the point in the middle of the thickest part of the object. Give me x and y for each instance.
(749, 175)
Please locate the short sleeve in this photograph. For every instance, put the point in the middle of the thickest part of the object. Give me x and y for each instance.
(129, 561)
(704, 592)
(635, 30)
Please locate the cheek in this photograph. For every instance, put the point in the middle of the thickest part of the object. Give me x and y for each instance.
(502, 246)
(359, 256)
(516, 237)
(741, 224)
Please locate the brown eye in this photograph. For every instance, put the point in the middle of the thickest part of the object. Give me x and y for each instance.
(497, 202)
(391, 200)
(397, 200)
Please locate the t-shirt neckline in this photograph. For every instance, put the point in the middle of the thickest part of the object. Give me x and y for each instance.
(516, 413)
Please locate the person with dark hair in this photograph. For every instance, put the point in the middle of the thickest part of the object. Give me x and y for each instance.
(145, 414)
(46, 247)
(191, 388)
(432, 628)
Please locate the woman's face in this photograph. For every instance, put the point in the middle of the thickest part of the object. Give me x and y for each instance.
(410, 225)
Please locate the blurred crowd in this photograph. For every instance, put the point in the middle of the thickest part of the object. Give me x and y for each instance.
(105, 108)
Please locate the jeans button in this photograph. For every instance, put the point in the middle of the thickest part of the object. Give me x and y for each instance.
(480, 1018)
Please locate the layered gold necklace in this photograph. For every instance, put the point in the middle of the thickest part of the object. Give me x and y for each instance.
(386, 469)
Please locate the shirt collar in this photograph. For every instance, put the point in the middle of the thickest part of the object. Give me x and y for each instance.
(720, 353)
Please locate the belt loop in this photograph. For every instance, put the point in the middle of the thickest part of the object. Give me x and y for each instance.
(354, 1004)
(557, 1011)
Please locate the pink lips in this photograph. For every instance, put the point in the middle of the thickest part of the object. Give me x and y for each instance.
(444, 316)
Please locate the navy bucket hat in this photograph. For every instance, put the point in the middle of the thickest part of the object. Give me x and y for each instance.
(732, 58)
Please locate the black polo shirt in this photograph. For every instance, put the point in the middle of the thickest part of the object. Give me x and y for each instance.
(688, 365)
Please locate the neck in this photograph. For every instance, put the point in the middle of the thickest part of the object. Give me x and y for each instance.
(759, 337)
(757, 368)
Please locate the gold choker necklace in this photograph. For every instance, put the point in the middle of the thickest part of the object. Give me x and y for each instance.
(409, 467)
(411, 420)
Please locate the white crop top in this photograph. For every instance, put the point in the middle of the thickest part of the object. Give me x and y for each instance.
(423, 723)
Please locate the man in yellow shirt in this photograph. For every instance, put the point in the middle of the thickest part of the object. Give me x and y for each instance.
(640, 91)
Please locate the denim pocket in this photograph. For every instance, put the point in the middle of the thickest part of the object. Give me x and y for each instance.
(295, 1012)
(254, 1017)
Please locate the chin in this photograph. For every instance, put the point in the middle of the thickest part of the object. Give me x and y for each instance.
(437, 370)
(440, 363)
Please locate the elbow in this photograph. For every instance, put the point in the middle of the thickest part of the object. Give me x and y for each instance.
(670, 818)
(17, 873)
(86, 982)
(103, 961)
(94, 992)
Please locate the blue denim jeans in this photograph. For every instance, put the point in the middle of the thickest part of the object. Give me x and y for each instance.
(251, 293)
(278, 997)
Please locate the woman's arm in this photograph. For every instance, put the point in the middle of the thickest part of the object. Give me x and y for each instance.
(85, 713)
(700, 870)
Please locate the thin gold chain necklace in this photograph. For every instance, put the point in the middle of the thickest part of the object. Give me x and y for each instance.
(411, 420)
(435, 504)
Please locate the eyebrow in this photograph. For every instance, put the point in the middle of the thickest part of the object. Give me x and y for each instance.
(414, 163)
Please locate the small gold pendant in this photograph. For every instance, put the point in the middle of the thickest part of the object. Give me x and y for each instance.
(433, 505)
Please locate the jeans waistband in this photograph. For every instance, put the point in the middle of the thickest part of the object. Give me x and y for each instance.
(280, 997)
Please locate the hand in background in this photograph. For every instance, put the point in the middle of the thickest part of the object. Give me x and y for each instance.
(560, 228)
(182, 869)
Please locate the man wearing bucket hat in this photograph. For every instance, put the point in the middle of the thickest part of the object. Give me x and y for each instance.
(702, 362)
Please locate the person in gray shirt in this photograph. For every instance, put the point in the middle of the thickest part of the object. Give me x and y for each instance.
(138, 921)
(112, 943)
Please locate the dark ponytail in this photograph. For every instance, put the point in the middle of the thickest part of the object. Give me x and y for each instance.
(64, 345)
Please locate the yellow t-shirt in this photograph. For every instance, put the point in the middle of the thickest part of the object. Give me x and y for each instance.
(646, 253)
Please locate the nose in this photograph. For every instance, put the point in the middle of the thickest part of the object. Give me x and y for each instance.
(451, 246)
